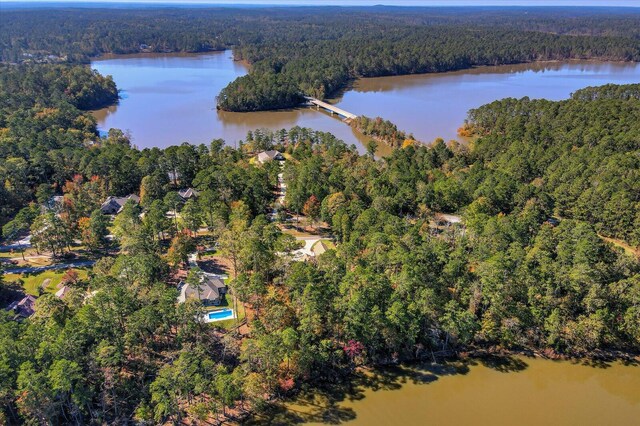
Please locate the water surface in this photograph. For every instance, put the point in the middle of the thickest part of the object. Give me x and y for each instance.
(435, 105)
(514, 391)
(169, 99)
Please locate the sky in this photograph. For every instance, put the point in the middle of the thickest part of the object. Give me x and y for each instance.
(632, 3)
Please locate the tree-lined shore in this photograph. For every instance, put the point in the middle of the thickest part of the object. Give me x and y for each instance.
(318, 51)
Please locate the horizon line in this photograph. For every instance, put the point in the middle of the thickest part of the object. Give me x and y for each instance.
(349, 3)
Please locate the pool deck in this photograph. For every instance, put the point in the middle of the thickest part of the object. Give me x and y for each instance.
(208, 319)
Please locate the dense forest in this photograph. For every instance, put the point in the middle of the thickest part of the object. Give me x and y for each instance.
(528, 267)
(584, 152)
(318, 51)
(283, 71)
(64, 33)
(42, 126)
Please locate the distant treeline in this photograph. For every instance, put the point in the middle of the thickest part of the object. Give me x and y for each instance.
(284, 70)
(608, 91)
(317, 51)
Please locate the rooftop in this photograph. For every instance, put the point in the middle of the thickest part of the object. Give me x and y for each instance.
(24, 307)
(211, 288)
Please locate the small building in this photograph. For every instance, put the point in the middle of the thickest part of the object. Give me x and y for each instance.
(114, 205)
(271, 155)
(211, 291)
(319, 248)
(23, 308)
(188, 193)
(63, 292)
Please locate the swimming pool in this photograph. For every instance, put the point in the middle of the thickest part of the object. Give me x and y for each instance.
(221, 315)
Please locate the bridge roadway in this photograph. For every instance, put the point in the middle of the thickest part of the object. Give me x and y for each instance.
(331, 108)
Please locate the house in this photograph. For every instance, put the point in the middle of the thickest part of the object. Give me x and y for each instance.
(23, 308)
(211, 291)
(266, 156)
(114, 205)
(187, 193)
(62, 292)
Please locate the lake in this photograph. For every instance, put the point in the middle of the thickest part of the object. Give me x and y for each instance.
(497, 391)
(170, 98)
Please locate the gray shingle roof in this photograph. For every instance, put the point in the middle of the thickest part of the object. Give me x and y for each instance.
(211, 288)
(115, 204)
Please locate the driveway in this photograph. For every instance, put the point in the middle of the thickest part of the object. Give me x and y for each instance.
(306, 250)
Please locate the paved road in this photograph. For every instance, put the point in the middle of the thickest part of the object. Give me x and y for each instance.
(18, 245)
(36, 269)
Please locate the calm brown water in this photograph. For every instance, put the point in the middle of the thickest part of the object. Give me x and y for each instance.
(169, 99)
(519, 392)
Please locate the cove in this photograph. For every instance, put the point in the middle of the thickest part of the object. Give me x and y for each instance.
(490, 391)
(168, 99)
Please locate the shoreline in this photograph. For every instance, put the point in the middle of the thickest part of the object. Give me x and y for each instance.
(337, 95)
(598, 355)
(232, 122)
(141, 54)
(354, 79)
(378, 377)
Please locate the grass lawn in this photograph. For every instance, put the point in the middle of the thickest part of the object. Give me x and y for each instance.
(231, 323)
(330, 244)
(32, 282)
(17, 253)
(288, 157)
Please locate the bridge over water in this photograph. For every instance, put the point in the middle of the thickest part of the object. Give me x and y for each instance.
(331, 108)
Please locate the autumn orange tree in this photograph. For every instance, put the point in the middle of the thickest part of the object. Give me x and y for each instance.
(181, 245)
(311, 209)
(94, 230)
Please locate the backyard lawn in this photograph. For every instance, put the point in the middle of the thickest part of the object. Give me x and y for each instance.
(230, 323)
(31, 282)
